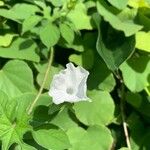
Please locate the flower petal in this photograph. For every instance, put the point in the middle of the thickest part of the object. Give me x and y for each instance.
(69, 85)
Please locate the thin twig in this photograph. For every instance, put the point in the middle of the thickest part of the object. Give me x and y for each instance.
(123, 117)
(44, 81)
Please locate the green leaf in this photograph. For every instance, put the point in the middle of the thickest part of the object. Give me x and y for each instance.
(138, 3)
(143, 18)
(145, 144)
(21, 49)
(79, 17)
(137, 130)
(2, 3)
(101, 103)
(83, 59)
(126, 25)
(140, 103)
(14, 122)
(30, 22)
(81, 44)
(49, 35)
(66, 32)
(112, 45)
(101, 77)
(51, 139)
(24, 147)
(77, 44)
(119, 4)
(44, 99)
(43, 102)
(95, 138)
(42, 69)
(143, 41)
(19, 12)
(77, 59)
(136, 73)
(6, 39)
(63, 120)
(16, 78)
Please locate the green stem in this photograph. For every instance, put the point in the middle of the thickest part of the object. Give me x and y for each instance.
(44, 81)
(122, 104)
(147, 91)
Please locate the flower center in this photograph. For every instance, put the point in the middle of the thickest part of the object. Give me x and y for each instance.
(70, 90)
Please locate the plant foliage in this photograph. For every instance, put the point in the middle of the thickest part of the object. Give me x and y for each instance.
(109, 38)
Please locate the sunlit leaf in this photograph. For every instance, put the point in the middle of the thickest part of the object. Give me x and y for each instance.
(19, 12)
(16, 78)
(136, 73)
(6, 39)
(49, 35)
(101, 104)
(94, 138)
(80, 18)
(52, 139)
(67, 33)
(139, 3)
(14, 122)
(21, 49)
(30, 22)
(119, 4)
(128, 27)
(143, 41)
(42, 69)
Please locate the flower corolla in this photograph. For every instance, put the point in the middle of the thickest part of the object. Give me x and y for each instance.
(69, 85)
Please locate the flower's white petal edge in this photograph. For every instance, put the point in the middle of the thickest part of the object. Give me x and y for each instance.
(71, 70)
(69, 85)
(70, 66)
(82, 87)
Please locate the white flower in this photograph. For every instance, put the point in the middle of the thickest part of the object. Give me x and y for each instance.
(69, 85)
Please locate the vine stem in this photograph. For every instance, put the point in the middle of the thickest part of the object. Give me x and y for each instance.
(147, 91)
(123, 116)
(44, 81)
